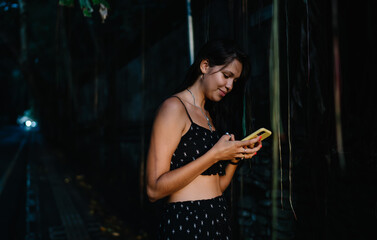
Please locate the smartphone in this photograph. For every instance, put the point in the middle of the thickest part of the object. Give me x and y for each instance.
(260, 132)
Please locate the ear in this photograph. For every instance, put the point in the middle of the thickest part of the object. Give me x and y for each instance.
(204, 66)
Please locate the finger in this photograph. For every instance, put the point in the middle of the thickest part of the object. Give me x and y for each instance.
(258, 147)
(248, 142)
(248, 150)
(226, 136)
(248, 156)
(242, 144)
(256, 140)
(257, 143)
(232, 137)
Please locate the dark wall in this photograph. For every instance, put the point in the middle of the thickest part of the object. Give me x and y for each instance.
(95, 88)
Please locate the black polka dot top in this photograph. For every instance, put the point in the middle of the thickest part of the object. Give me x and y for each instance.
(196, 142)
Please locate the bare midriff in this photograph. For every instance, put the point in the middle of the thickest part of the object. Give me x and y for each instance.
(203, 187)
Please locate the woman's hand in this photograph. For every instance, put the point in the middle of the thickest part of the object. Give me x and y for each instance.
(227, 148)
(255, 146)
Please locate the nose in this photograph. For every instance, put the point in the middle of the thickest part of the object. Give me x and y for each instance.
(229, 85)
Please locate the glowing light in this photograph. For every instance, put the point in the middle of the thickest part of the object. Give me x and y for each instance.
(28, 123)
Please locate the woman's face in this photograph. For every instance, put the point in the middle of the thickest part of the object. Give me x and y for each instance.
(218, 80)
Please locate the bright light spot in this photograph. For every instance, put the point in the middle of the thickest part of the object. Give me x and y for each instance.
(26, 120)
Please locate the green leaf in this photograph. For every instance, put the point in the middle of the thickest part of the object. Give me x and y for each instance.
(103, 2)
(66, 3)
(86, 8)
(87, 12)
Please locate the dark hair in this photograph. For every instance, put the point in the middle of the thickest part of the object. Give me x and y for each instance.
(226, 114)
(218, 52)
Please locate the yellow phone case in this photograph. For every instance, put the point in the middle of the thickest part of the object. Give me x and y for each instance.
(260, 132)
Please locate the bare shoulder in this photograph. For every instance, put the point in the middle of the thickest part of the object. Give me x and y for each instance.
(172, 107)
(172, 114)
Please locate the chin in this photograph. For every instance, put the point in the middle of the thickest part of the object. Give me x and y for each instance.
(216, 99)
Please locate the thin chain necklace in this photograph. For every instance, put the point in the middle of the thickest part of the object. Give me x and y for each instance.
(205, 115)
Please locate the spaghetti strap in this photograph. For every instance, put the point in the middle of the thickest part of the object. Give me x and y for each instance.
(185, 108)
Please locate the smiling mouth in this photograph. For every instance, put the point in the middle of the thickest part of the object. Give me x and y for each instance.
(222, 93)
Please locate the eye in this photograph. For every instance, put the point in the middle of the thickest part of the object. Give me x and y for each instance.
(225, 75)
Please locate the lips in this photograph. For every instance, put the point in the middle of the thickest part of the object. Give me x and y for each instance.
(222, 93)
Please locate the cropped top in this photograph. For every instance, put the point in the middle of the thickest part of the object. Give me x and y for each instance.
(194, 143)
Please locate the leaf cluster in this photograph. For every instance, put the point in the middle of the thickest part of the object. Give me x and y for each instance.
(85, 5)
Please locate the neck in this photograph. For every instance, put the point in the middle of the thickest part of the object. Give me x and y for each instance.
(198, 94)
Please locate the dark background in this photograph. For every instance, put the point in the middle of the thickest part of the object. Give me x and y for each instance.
(94, 88)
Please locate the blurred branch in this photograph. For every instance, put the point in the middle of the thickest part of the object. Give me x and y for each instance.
(337, 86)
(23, 36)
(275, 113)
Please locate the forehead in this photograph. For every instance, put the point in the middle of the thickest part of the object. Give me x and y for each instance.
(234, 67)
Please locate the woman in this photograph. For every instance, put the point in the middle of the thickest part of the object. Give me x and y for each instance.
(188, 162)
